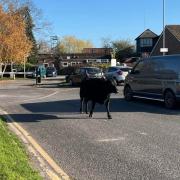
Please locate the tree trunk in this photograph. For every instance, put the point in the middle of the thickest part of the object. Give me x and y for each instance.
(5, 65)
(0, 69)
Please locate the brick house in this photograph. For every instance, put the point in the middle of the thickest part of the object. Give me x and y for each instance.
(172, 41)
(145, 43)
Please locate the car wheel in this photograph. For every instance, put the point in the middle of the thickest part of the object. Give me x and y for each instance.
(169, 99)
(128, 94)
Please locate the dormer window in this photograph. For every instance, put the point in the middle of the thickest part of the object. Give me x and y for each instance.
(146, 42)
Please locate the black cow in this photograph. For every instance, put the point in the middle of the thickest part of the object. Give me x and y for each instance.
(97, 91)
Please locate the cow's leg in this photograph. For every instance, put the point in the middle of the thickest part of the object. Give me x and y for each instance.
(92, 109)
(107, 109)
(86, 106)
(81, 105)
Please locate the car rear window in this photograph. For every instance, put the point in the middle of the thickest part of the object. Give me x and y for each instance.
(93, 70)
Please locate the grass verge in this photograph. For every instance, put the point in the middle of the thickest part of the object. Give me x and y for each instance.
(14, 161)
(5, 79)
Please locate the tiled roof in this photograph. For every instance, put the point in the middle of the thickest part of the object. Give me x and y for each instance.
(147, 34)
(175, 30)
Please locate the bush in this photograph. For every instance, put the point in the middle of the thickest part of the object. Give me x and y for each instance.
(102, 66)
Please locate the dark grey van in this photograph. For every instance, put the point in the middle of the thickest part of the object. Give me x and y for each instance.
(156, 78)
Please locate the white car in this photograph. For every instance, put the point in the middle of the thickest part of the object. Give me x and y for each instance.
(118, 73)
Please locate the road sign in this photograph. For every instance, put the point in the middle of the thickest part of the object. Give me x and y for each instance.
(113, 62)
(164, 50)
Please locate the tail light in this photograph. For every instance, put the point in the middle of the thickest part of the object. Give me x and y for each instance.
(119, 72)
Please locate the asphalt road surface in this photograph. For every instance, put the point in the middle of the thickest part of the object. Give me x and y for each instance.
(141, 142)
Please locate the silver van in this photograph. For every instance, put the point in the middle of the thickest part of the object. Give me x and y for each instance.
(156, 78)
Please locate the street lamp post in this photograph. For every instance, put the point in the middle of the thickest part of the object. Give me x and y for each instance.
(164, 50)
(25, 66)
(164, 34)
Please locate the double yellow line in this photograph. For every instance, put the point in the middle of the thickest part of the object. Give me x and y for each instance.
(55, 172)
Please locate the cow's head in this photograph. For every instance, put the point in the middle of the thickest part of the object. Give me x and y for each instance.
(112, 86)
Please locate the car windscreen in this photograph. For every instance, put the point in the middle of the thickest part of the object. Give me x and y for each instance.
(50, 69)
(93, 70)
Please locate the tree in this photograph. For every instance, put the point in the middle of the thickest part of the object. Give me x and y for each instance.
(25, 13)
(124, 49)
(44, 46)
(70, 44)
(33, 19)
(106, 42)
(121, 48)
(15, 45)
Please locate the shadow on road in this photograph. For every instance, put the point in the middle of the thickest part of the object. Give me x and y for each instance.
(69, 109)
(37, 117)
(117, 105)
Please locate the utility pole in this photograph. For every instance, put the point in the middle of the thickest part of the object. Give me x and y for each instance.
(164, 50)
(164, 34)
(25, 66)
(54, 43)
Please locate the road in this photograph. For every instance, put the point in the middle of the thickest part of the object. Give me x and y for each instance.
(142, 141)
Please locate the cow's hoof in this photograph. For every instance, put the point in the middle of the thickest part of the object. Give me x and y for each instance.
(87, 113)
(109, 117)
(90, 115)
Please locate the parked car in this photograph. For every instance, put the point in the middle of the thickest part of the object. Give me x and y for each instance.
(51, 72)
(84, 73)
(31, 72)
(156, 78)
(118, 73)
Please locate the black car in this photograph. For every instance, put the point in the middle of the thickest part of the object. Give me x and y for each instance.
(84, 73)
(51, 72)
(31, 72)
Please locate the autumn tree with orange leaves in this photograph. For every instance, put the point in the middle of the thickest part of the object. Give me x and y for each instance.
(14, 44)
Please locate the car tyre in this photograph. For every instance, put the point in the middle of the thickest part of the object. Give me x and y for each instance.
(169, 99)
(128, 94)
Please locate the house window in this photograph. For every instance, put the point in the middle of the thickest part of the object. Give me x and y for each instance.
(146, 42)
(65, 64)
(73, 63)
(93, 51)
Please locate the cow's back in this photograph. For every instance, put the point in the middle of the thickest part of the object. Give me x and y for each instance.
(94, 89)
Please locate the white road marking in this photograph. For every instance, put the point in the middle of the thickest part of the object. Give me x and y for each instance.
(12, 96)
(143, 133)
(42, 97)
(112, 140)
